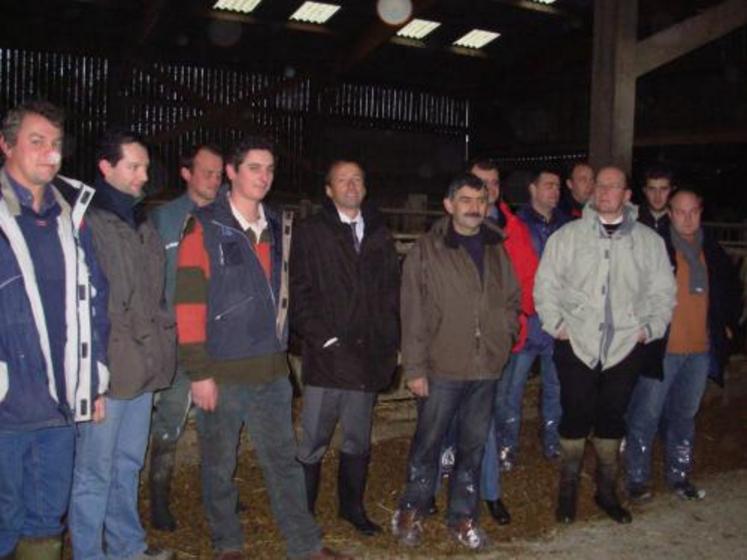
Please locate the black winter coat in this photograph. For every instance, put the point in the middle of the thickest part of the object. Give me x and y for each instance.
(336, 292)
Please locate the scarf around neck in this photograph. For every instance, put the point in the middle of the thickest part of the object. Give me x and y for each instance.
(691, 252)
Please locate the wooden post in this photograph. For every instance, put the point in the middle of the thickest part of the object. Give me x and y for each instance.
(613, 83)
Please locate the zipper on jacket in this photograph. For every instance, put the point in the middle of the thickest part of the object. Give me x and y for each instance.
(231, 309)
(254, 252)
(478, 333)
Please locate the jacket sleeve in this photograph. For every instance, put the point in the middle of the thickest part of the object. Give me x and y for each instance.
(100, 325)
(514, 297)
(303, 320)
(190, 302)
(547, 286)
(659, 297)
(413, 316)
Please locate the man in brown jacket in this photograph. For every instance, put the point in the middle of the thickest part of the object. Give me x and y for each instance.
(460, 302)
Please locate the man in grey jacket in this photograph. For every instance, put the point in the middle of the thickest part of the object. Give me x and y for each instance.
(202, 169)
(604, 289)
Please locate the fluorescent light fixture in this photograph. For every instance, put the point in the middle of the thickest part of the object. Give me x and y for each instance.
(544, 1)
(314, 12)
(476, 39)
(243, 6)
(418, 28)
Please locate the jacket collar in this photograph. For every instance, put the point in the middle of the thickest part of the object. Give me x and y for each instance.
(122, 205)
(371, 215)
(491, 234)
(630, 217)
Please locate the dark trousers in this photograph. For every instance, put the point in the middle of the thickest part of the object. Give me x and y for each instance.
(323, 407)
(471, 402)
(265, 411)
(592, 400)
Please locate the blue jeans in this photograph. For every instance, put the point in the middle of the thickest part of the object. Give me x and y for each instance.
(36, 472)
(471, 402)
(509, 402)
(265, 411)
(490, 481)
(670, 405)
(108, 460)
(170, 409)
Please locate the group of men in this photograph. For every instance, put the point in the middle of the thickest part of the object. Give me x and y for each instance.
(96, 297)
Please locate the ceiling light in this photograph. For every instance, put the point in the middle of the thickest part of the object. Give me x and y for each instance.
(314, 12)
(544, 1)
(476, 39)
(418, 28)
(243, 6)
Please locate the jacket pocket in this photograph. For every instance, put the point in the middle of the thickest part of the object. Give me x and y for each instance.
(4, 381)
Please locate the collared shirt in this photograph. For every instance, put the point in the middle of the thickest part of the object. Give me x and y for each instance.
(358, 220)
(257, 227)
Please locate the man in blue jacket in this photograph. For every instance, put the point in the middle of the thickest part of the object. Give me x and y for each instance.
(202, 170)
(53, 332)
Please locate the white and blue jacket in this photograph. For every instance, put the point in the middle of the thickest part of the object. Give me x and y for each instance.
(29, 396)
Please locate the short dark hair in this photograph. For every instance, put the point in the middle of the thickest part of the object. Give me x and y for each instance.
(464, 180)
(658, 172)
(110, 144)
(549, 169)
(14, 117)
(486, 164)
(335, 163)
(188, 158)
(579, 163)
(238, 153)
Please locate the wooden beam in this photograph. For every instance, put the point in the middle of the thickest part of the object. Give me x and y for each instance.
(376, 35)
(679, 39)
(613, 83)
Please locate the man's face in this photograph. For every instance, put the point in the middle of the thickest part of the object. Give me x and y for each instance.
(492, 181)
(545, 192)
(581, 183)
(657, 193)
(252, 179)
(610, 192)
(468, 209)
(36, 156)
(203, 179)
(685, 214)
(346, 186)
(130, 173)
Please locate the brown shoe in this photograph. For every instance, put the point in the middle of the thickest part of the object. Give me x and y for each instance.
(328, 553)
(230, 555)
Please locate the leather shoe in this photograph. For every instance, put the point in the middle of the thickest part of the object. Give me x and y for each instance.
(614, 510)
(499, 512)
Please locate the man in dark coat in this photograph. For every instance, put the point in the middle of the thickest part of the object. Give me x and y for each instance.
(344, 292)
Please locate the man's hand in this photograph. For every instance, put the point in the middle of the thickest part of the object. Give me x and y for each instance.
(642, 338)
(562, 334)
(728, 333)
(99, 409)
(205, 394)
(418, 387)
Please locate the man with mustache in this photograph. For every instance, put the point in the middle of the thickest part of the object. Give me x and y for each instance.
(460, 304)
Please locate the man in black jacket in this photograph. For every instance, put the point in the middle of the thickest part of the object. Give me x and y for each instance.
(344, 292)
(656, 190)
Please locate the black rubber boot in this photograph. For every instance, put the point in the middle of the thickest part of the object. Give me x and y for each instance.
(312, 473)
(162, 459)
(351, 485)
(607, 468)
(571, 458)
(38, 549)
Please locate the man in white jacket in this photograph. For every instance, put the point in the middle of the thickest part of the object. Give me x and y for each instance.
(604, 290)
